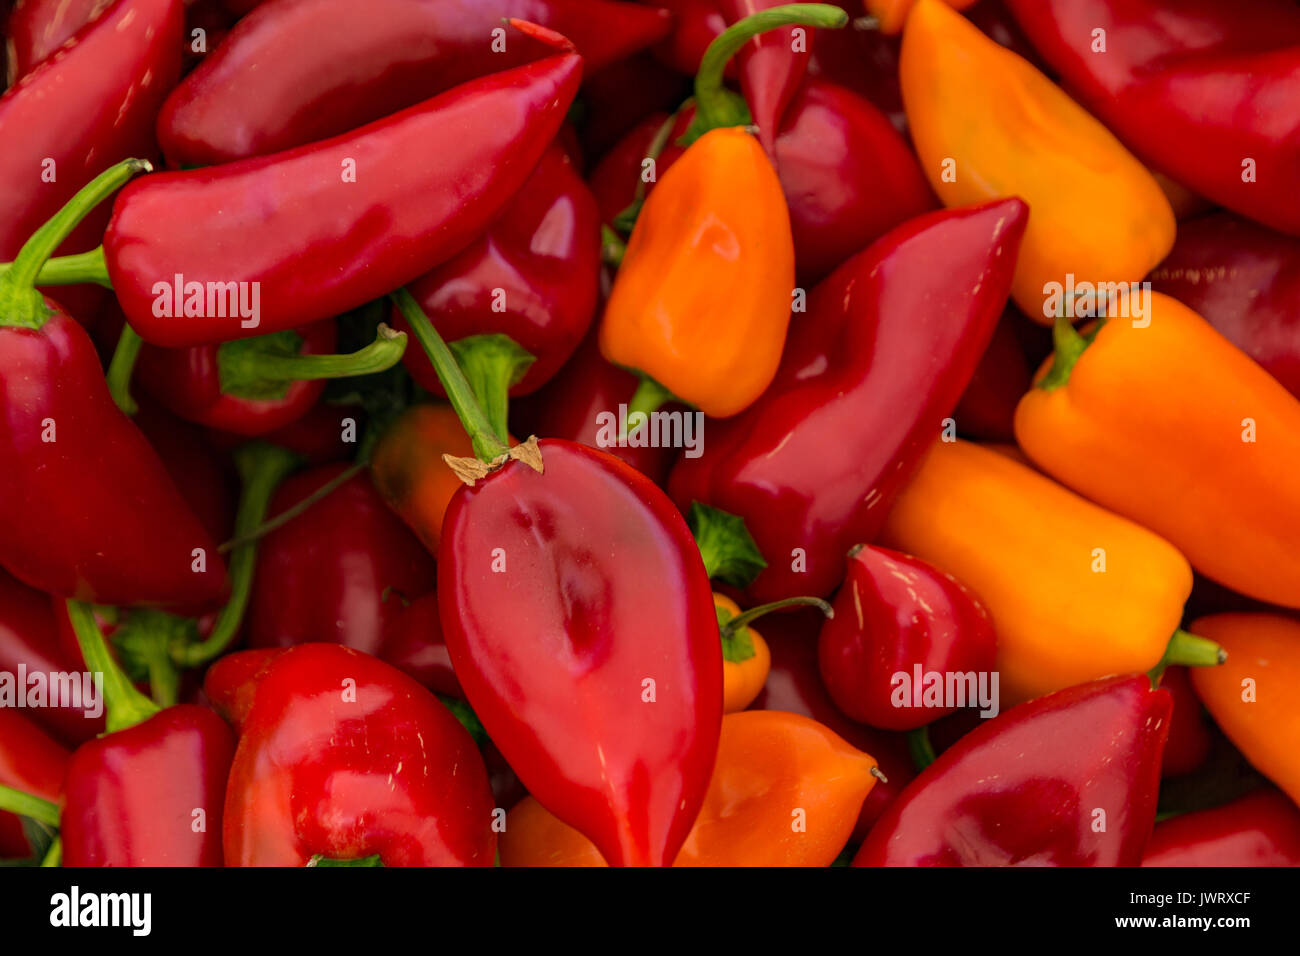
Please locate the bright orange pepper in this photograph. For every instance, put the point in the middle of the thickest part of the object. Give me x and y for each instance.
(1253, 697)
(786, 791)
(745, 663)
(1151, 419)
(988, 125)
(1034, 552)
(702, 299)
(892, 14)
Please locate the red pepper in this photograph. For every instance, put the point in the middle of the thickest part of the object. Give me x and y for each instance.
(413, 644)
(866, 378)
(1189, 732)
(298, 71)
(74, 116)
(771, 66)
(340, 571)
(303, 242)
(126, 537)
(795, 685)
(36, 28)
(1201, 90)
(623, 94)
(987, 410)
(895, 614)
(342, 756)
(30, 761)
(323, 434)
(1245, 281)
(149, 793)
(696, 24)
(1259, 829)
(1069, 779)
(534, 277)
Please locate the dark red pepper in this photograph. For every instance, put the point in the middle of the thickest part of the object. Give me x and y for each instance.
(1259, 829)
(867, 376)
(1189, 732)
(617, 98)
(895, 614)
(298, 71)
(413, 644)
(31, 762)
(771, 66)
(695, 24)
(1069, 779)
(987, 409)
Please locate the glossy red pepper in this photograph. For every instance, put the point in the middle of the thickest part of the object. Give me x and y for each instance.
(534, 276)
(72, 117)
(413, 644)
(1189, 732)
(1259, 829)
(1011, 793)
(606, 696)
(298, 71)
(1244, 280)
(338, 572)
(342, 756)
(30, 761)
(866, 378)
(125, 538)
(771, 67)
(894, 615)
(36, 28)
(323, 228)
(1202, 91)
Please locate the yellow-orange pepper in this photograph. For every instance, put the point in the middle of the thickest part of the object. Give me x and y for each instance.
(745, 663)
(702, 299)
(786, 791)
(892, 14)
(1075, 592)
(1166, 422)
(1253, 697)
(988, 125)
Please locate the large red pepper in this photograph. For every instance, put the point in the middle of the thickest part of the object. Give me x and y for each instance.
(1010, 793)
(1245, 281)
(298, 71)
(1201, 90)
(866, 379)
(309, 233)
(31, 762)
(533, 277)
(344, 757)
(338, 572)
(127, 536)
(148, 793)
(1259, 829)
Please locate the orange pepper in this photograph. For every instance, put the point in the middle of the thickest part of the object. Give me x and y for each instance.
(988, 125)
(1076, 592)
(1253, 697)
(702, 299)
(786, 791)
(892, 14)
(1149, 420)
(408, 471)
(745, 662)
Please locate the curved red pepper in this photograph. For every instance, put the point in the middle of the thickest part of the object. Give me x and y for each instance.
(1259, 829)
(1244, 280)
(533, 276)
(1069, 779)
(31, 762)
(342, 756)
(298, 71)
(866, 379)
(339, 572)
(600, 682)
(132, 797)
(771, 67)
(316, 244)
(1189, 733)
(1195, 88)
(895, 614)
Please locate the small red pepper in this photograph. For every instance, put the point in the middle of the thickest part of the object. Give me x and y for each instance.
(1259, 829)
(296, 72)
(413, 644)
(771, 67)
(895, 615)
(865, 381)
(1069, 779)
(696, 24)
(30, 762)
(343, 757)
(1189, 732)
(125, 538)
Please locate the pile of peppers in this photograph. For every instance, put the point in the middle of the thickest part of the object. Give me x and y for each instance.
(656, 433)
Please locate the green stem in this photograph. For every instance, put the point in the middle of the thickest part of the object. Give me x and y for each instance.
(612, 247)
(1188, 650)
(918, 744)
(262, 467)
(121, 367)
(20, 303)
(648, 398)
(264, 366)
(288, 514)
(368, 861)
(715, 105)
(54, 855)
(28, 805)
(124, 705)
(72, 270)
(492, 364)
(742, 619)
(1070, 344)
(487, 447)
